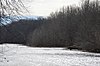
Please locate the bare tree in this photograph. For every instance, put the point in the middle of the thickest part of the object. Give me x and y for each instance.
(11, 8)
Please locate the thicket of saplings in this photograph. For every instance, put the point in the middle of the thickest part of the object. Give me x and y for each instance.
(71, 27)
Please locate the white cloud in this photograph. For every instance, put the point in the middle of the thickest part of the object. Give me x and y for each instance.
(45, 7)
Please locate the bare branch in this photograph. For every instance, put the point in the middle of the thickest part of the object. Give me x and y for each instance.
(11, 8)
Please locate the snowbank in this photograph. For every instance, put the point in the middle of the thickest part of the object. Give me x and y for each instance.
(18, 55)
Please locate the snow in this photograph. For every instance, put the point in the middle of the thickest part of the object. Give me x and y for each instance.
(18, 55)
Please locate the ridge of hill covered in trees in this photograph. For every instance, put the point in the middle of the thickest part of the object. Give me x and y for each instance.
(77, 27)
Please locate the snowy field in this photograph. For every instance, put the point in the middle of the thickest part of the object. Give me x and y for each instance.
(17, 55)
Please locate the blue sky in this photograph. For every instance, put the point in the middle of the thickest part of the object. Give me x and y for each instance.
(45, 7)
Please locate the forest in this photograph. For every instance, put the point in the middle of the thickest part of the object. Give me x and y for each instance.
(73, 27)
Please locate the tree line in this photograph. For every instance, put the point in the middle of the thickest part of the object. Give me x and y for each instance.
(70, 27)
(17, 31)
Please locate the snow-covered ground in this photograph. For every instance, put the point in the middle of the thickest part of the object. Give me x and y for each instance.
(17, 55)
